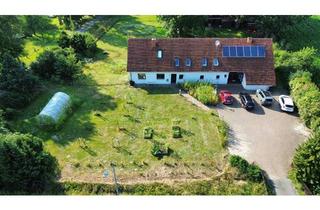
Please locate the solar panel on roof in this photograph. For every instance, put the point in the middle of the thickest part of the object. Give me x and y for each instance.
(247, 51)
(261, 51)
(225, 51)
(254, 51)
(240, 51)
(233, 52)
(244, 51)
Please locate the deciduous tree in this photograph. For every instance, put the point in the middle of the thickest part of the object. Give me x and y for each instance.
(184, 25)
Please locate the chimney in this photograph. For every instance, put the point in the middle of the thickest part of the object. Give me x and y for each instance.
(217, 43)
(249, 40)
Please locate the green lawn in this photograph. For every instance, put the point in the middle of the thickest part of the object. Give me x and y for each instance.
(113, 115)
(110, 103)
(37, 44)
(106, 109)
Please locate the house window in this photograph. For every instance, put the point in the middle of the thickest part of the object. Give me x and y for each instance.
(188, 62)
(142, 76)
(159, 54)
(218, 77)
(201, 77)
(216, 62)
(180, 76)
(176, 62)
(225, 76)
(160, 76)
(204, 62)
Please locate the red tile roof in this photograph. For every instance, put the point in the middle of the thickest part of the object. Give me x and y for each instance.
(142, 57)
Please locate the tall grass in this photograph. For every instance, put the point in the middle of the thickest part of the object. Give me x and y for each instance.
(203, 91)
(215, 186)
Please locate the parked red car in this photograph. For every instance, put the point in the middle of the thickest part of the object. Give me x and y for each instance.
(226, 97)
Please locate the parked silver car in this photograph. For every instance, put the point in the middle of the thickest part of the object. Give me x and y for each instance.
(264, 97)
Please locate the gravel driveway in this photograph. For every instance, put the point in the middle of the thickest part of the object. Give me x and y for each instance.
(266, 136)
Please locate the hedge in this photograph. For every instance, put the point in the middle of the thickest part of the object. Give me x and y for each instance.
(287, 63)
(306, 96)
(251, 172)
(306, 161)
(214, 186)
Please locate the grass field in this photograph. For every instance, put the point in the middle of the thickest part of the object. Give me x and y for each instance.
(35, 45)
(109, 103)
(113, 115)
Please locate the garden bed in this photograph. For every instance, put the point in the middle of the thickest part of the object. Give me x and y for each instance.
(202, 91)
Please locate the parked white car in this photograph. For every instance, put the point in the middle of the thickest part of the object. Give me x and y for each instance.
(286, 103)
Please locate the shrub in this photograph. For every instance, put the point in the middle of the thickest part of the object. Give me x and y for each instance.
(176, 129)
(160, 149)
(254, 173)
(239, 162)
(215, 186)
(223, 131)
(287, 63)
(306, 163)
(203, 91)
(306, 96)
(204, 94)
(147, 133)
(82, 43)
(2, 123)
(57, 63)
(9, 113)
(24, 165)
(176, 132)
(64, 40)
(315, 124)
(18, 86)
(76, 103)
(14, 100)
(251, 172)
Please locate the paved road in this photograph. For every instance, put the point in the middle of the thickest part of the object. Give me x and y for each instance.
(266, 136)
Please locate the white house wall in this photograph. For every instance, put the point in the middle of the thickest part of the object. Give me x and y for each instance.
(151, 77)
(253, 87)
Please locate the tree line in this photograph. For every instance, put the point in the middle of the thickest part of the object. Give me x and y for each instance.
(25, 166)
(196, 25)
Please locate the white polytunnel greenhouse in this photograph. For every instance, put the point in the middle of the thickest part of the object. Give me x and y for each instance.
(56, 109)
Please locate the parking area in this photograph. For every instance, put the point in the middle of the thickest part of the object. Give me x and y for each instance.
(265, 135)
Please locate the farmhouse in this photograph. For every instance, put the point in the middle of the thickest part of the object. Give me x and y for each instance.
(246, 61)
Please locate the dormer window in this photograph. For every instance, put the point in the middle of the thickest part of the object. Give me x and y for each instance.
(204, 62)
(188, 62)
(176, 62)
(216, 62)
(159, 54)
